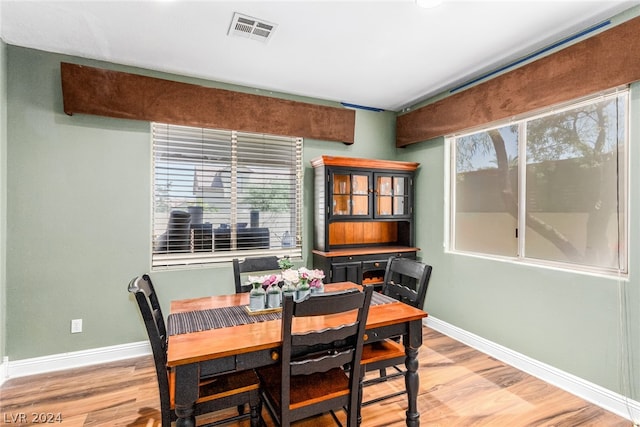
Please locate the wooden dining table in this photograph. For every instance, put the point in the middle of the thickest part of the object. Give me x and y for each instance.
(194, 354)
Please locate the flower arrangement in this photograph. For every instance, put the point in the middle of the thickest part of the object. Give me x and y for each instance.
(301, 279)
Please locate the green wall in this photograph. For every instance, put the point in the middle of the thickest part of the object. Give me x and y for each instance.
(78, 215)
(3, 195)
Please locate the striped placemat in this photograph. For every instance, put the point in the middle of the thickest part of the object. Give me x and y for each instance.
(202, 320)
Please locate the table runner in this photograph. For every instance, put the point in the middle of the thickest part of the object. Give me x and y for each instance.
(202, 320)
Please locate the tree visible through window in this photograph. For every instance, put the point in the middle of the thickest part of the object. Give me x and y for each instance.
(224, 194)
(550, 188)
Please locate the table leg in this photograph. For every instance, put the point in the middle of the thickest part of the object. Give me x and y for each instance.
(412, 383)
(186, 388)
(185, 416)
(412, 342)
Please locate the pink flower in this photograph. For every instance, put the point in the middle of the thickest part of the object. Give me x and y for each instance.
(266, 280)
(315, 278)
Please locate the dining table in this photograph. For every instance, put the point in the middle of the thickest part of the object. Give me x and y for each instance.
(218, 334)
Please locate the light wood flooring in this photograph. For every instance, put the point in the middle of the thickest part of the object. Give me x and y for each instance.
(459, 386)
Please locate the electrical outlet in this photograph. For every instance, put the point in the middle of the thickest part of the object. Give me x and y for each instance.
(76, 326)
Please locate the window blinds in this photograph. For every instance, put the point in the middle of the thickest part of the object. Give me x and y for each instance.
(221, 194)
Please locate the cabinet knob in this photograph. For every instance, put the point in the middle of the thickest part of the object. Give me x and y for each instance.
(365, 337)
(376, 264)
(275, 356)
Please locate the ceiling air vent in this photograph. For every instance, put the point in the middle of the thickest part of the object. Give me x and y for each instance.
(251, 28)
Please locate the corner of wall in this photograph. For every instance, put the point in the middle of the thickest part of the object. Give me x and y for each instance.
(3, 197)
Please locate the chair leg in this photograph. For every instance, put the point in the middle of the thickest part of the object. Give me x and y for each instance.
(382, 378)
(256, 419)
(360, 393)
(335, 418)
(383, 373)
(240, 409)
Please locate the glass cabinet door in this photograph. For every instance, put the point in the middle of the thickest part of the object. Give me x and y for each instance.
(400, 196)
(384, 184)
(392, 195)
(350, 195)
(360, 195)
(341, 195)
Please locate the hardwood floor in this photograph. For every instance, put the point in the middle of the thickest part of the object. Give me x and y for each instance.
(459, 386)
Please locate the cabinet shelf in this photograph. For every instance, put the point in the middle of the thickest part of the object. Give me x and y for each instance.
(356, 162)
(368, 250)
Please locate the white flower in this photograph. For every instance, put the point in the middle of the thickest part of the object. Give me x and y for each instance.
(290, 275)
(254, 279)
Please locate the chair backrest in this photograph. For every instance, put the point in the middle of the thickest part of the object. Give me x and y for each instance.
(149, 307)
(319, 350)
(252, 265)
(407, 280)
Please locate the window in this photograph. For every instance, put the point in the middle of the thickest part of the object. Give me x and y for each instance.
(223, 194)
(550, 188)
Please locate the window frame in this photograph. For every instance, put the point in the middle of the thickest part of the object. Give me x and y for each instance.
(161, 260)
(521, 121)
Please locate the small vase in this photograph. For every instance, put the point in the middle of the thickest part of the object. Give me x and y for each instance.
(318, 288)
(256, 297)
(303, 291)
(288, 289)
(274, 296)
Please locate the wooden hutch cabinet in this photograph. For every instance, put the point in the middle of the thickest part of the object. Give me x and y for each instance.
(363, 214)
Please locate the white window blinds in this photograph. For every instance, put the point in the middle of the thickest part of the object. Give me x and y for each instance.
(223, 194)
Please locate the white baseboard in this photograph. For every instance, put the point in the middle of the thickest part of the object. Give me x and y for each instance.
(606, 399)
(56, 362)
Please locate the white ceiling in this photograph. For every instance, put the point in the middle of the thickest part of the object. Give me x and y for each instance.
(383, 54)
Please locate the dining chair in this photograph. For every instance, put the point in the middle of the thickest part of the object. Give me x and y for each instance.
(252, 265)
(310, 379)
(216, 392)
(407, 281)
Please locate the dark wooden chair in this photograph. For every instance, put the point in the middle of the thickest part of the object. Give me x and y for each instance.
(310, 379)
(216, 393)
(406, 280)
(252, 265)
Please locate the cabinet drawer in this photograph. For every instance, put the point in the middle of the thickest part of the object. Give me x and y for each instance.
(379, 264)
(218, 366)
(257, 359)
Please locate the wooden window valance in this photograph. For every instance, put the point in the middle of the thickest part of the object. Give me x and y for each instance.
(89, 90)
(601, 62)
